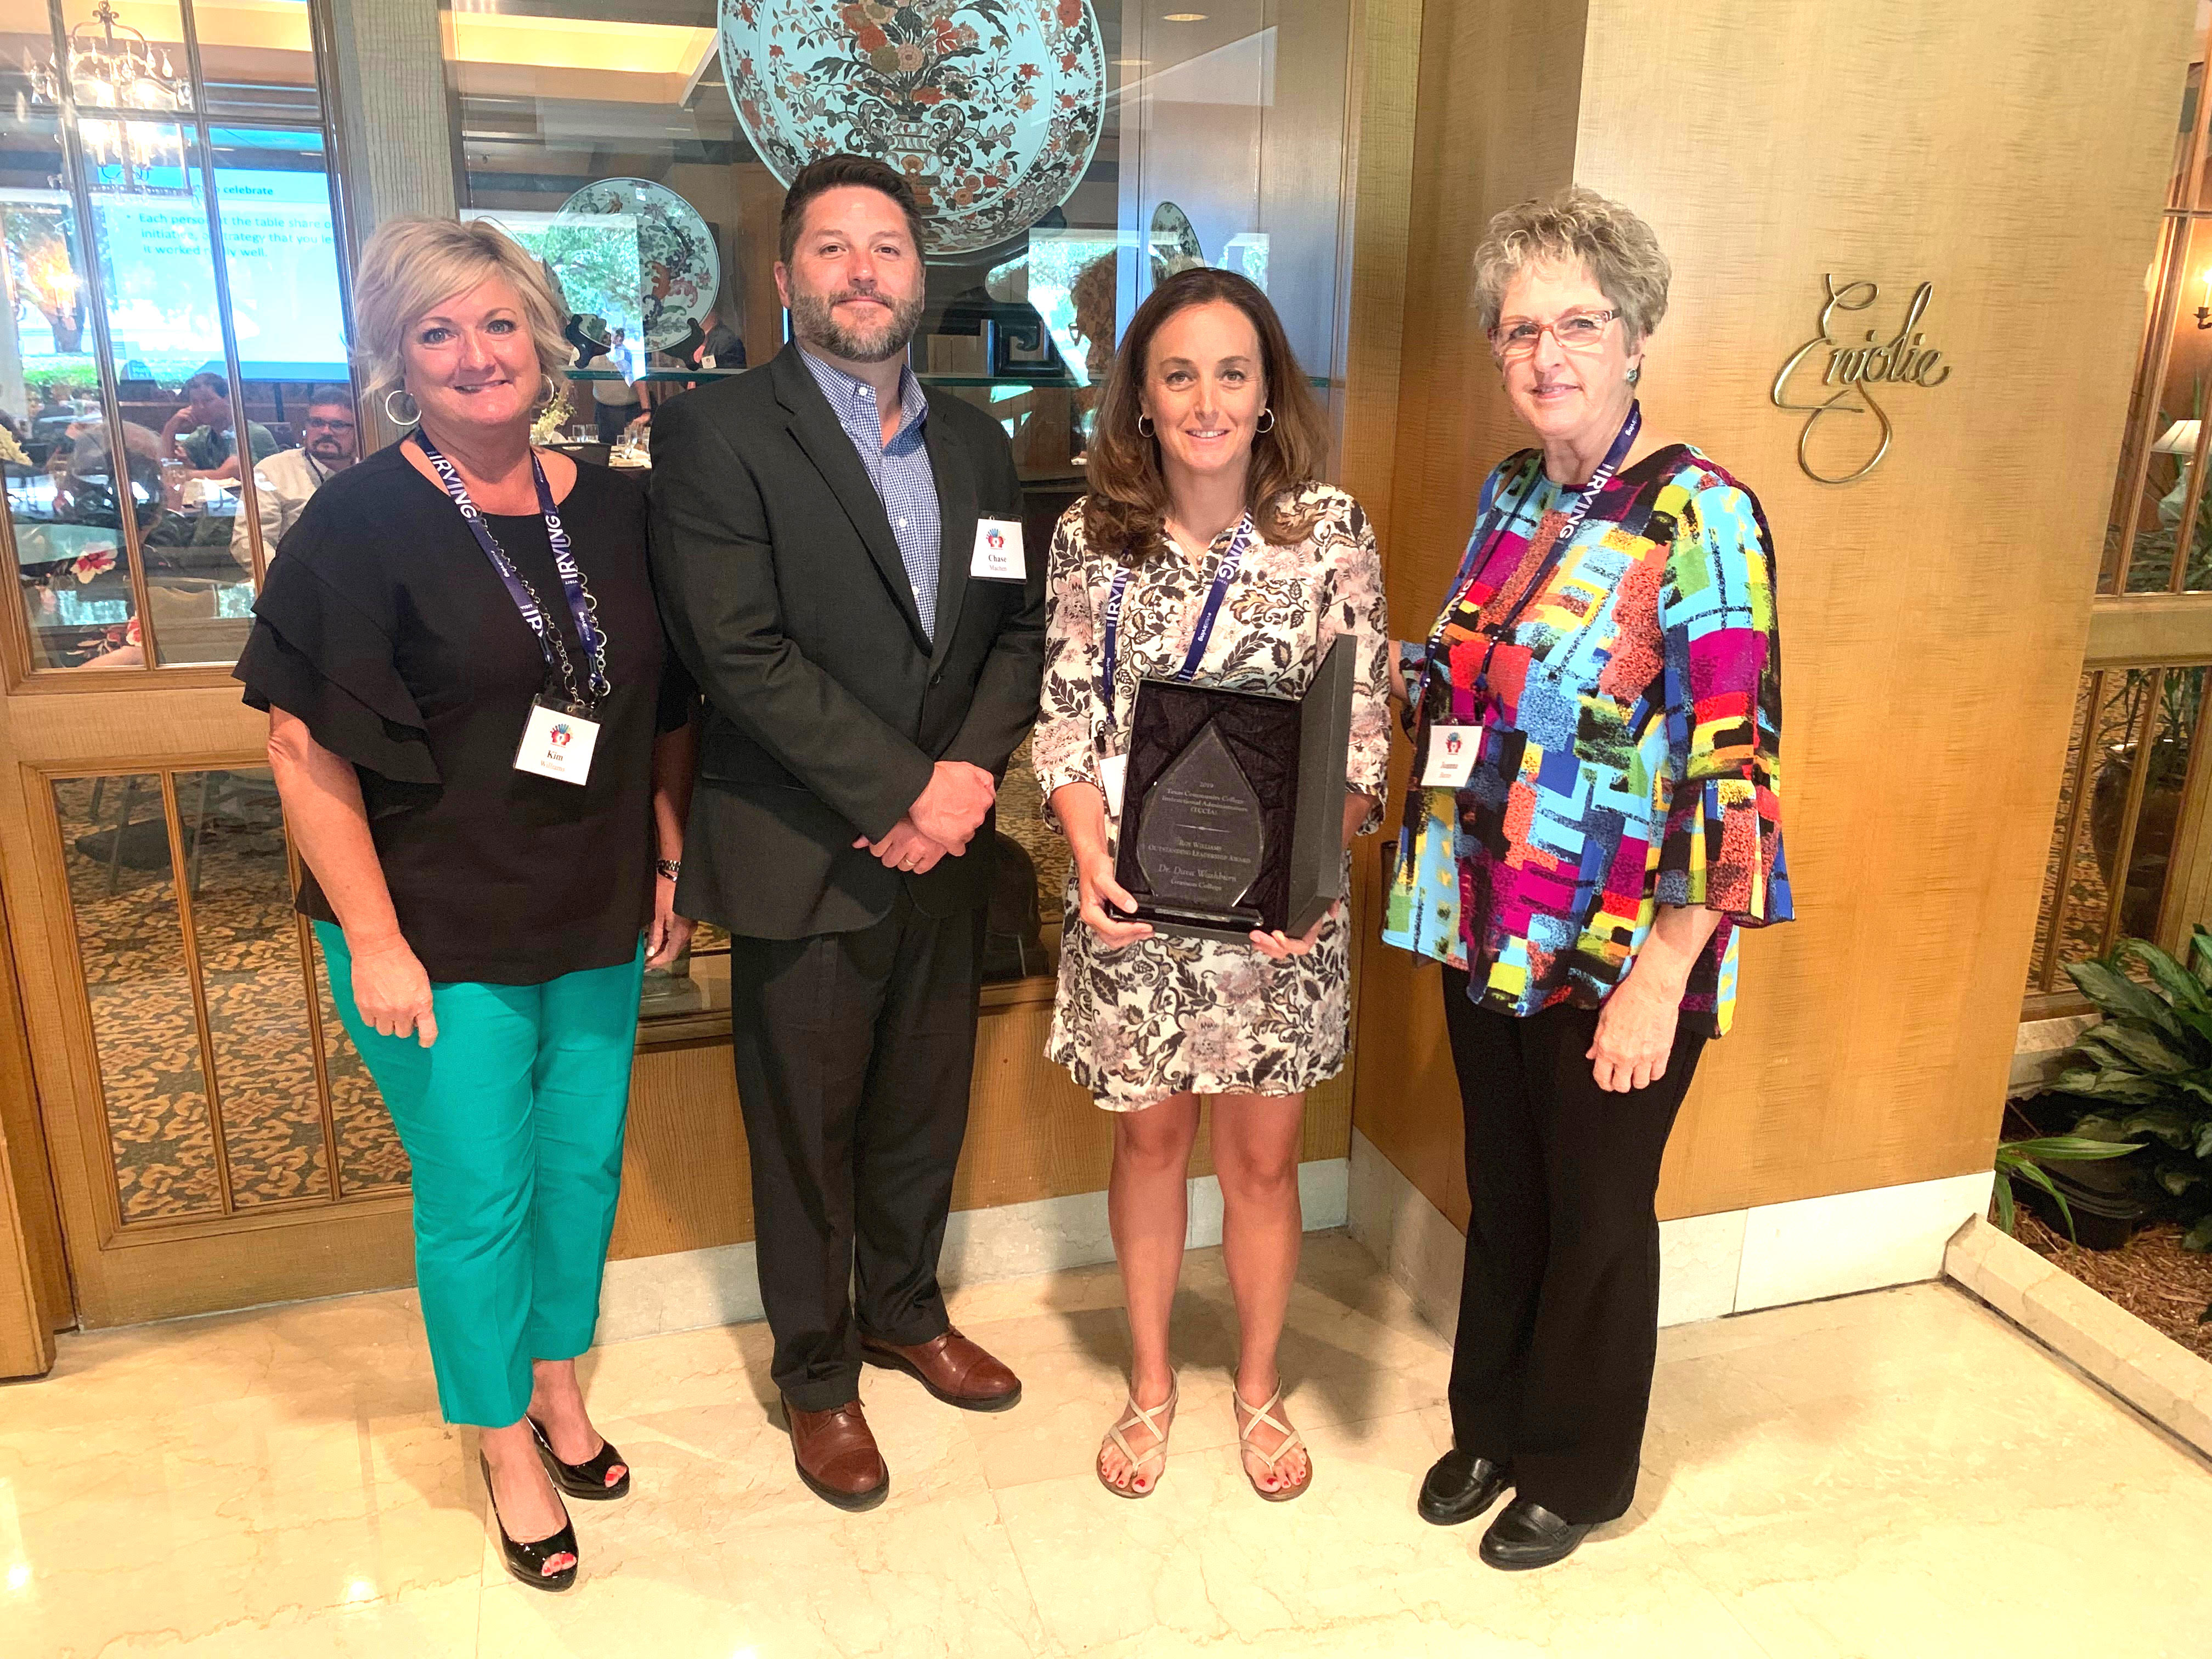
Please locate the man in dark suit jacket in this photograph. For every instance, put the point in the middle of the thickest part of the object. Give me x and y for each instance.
(831, 548)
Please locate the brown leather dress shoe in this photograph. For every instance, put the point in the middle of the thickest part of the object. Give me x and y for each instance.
(836, 1456)
(950, 1367)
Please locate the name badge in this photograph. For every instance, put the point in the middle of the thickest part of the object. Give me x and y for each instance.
(557, 742)
(997, 557)
(1112, 774)
(1452, 749)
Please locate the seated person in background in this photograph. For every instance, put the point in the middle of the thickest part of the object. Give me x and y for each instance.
(202, 434)
(282, 484)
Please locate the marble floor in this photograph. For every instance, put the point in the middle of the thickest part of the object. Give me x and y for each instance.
(1893, 1475)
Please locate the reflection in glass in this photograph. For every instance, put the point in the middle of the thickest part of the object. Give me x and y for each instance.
(2043, 973)
(257, 61)
(2158, 715)
(370, 1156)
(288, 316)
(55, 448)
(180, 432)
(235, 871)
(115, 848)
(2139, 727)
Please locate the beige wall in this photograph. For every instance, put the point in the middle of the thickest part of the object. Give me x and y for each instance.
(1933, 615)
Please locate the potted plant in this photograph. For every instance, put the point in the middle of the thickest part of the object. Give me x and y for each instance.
(2144, 1071)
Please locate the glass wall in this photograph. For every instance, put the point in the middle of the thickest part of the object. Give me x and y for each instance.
(1067, 153)
(149, 322)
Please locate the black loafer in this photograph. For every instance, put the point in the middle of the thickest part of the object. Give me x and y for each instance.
(1526, 1534)
(1460, 1486)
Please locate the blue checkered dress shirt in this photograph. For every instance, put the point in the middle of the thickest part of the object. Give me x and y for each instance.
(899, 470)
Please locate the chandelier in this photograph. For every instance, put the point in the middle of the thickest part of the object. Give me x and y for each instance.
(120, 70)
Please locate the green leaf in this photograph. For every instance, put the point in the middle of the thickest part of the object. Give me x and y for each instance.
(2198, 1238)
(2144, 1048)
(2177, 1129)
(2177, 1180)
(2069, 1149)
(2204, 1139)
(2125, 1086)
(2096, 1127)
(2005, 1216)
(2176, 981)
(2114, 992)
(2200, 953)
(2065, 1213)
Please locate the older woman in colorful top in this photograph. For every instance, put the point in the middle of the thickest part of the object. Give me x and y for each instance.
(1592, 817)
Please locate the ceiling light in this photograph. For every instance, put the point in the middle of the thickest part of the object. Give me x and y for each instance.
(1184, 17)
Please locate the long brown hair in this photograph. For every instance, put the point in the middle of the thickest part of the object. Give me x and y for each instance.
(1125, 511)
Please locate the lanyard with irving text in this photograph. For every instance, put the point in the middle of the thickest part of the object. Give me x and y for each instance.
(1230, 559)
(582, 607)
(1496, 629)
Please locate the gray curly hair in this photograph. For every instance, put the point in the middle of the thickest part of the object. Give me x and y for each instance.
(1575, 227)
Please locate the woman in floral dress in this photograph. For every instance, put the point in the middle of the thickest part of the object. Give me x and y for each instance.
(1204, 513)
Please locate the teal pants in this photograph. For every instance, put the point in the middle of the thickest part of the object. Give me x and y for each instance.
(513, 1122)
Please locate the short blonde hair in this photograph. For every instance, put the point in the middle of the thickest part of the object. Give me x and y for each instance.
(1576, 227)
(411, 264)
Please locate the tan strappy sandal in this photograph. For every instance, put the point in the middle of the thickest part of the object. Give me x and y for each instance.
(1292, 1441)
(1138, 1416)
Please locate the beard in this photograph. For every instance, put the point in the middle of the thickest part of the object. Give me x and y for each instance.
(812, 321)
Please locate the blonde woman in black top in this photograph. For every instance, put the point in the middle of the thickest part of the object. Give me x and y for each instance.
(482, 751)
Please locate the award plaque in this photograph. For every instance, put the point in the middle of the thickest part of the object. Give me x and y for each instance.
(1233, 809)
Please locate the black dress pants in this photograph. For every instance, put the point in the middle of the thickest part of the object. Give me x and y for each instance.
(853, 1052)
(1558, 1313)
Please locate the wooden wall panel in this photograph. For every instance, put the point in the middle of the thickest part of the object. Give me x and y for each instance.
(1933, 614)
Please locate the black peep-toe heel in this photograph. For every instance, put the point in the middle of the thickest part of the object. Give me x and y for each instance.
(587, 1479)
(527, 1561)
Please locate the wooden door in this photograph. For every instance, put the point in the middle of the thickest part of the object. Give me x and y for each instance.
(178, 318)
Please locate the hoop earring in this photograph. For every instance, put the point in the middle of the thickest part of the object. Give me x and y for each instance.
(1144, 427)
(393, 415)
(1268, 416)
(552, 392)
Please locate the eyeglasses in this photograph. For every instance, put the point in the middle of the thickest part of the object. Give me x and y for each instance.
(1578, 330)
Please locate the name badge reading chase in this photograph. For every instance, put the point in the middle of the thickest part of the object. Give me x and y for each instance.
(557, 741)
(997, 557)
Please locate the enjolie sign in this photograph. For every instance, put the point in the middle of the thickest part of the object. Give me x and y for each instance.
(1904, 358)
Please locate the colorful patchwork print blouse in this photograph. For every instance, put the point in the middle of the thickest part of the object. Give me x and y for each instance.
(1629, 752)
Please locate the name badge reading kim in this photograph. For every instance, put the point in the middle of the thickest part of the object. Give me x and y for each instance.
(557, 741)
(1452, 750)
(997, 557)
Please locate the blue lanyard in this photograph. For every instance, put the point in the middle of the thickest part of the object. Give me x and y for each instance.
(1231, 560)
(1481, 545)
(582, 607)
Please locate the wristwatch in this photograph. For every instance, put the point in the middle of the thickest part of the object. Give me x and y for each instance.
(671, 868)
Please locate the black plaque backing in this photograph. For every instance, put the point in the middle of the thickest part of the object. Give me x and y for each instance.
(1290, 752)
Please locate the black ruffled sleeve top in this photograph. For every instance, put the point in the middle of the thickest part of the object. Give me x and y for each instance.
(383, 627)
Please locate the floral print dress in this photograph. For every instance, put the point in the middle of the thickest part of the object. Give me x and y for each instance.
(1166, 1014)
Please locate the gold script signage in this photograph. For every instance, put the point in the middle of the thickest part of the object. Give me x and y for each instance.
(1854, 370)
